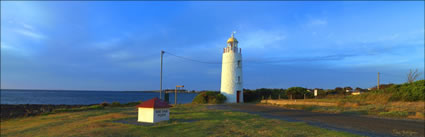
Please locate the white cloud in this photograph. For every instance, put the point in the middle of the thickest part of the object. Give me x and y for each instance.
(13, 49)
(4, 46)
(30, 33)
(27, 26)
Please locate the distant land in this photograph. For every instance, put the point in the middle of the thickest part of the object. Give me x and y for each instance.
(80, 90)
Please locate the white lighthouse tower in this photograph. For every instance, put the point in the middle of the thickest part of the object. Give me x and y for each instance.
(231, 73)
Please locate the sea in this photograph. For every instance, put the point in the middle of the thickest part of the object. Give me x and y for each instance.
(71, 97)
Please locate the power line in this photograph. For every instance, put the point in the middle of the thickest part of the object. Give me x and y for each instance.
(245, 61)
(255, 61)
(189, 59)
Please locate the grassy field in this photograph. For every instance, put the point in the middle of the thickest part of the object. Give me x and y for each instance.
(397, 109)
(185, 120)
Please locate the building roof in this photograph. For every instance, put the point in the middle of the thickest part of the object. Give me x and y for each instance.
(153, 103)
(232, 39)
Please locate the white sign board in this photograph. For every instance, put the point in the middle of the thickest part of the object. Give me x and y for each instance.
(315, 92)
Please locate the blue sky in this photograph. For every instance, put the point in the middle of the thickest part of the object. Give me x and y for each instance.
(116, 45)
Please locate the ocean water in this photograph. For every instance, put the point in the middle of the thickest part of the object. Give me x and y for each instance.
(83, 97)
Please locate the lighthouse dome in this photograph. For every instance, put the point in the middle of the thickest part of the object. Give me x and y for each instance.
(232, 39)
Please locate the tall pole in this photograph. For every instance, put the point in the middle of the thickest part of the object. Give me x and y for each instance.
(160, 84)
(378, 81)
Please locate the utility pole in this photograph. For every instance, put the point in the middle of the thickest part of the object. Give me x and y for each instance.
(378, 82)
(160, 83)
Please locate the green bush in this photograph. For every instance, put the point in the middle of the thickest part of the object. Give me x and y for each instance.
(115, 104)
(298, 92)
(258, 94)
(209, 97)
(405, 92)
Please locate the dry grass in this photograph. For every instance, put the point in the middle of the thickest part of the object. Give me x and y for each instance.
(367, 105)
(299, 102)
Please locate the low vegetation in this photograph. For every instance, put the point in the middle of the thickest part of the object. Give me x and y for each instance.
(185, 120)
(9, 111)
(391, 100)
(414, 91)
(27, 110)
(209, 97)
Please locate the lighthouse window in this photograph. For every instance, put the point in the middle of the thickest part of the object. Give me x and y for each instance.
(239, 78)
(239, 63)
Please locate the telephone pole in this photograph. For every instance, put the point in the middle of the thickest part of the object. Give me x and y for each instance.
(160, 83)
(378, 82)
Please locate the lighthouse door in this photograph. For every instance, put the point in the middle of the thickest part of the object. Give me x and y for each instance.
(238, 94)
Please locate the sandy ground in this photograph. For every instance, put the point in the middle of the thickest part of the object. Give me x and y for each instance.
(361, 125)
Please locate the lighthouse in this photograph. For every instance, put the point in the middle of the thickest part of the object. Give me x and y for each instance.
(231, 72)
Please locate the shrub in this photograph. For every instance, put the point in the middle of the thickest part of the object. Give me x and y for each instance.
(131, 104)
(394, 92)
(258, 94)
(115, 104)
(209, 97)
(297, 92)
(406, 92)
(104, 104)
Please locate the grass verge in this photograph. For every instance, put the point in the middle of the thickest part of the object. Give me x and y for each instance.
(185, 120)
(399, 109)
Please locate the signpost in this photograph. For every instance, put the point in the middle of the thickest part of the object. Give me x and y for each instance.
(175, 93)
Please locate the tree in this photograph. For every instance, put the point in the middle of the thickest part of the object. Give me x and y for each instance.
(296, 92)
(413, 75)
(339, 90)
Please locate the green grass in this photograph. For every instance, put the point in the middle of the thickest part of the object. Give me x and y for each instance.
(185, 120)
(84, 108)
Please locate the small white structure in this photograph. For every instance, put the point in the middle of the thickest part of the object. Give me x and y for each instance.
(356, 93)
(231, 73)
(153, 110)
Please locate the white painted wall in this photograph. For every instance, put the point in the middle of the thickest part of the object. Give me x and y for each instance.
(145, 115)
(230, 73)
(151, 115)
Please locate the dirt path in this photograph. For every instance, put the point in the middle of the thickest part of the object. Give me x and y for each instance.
(362, 125)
